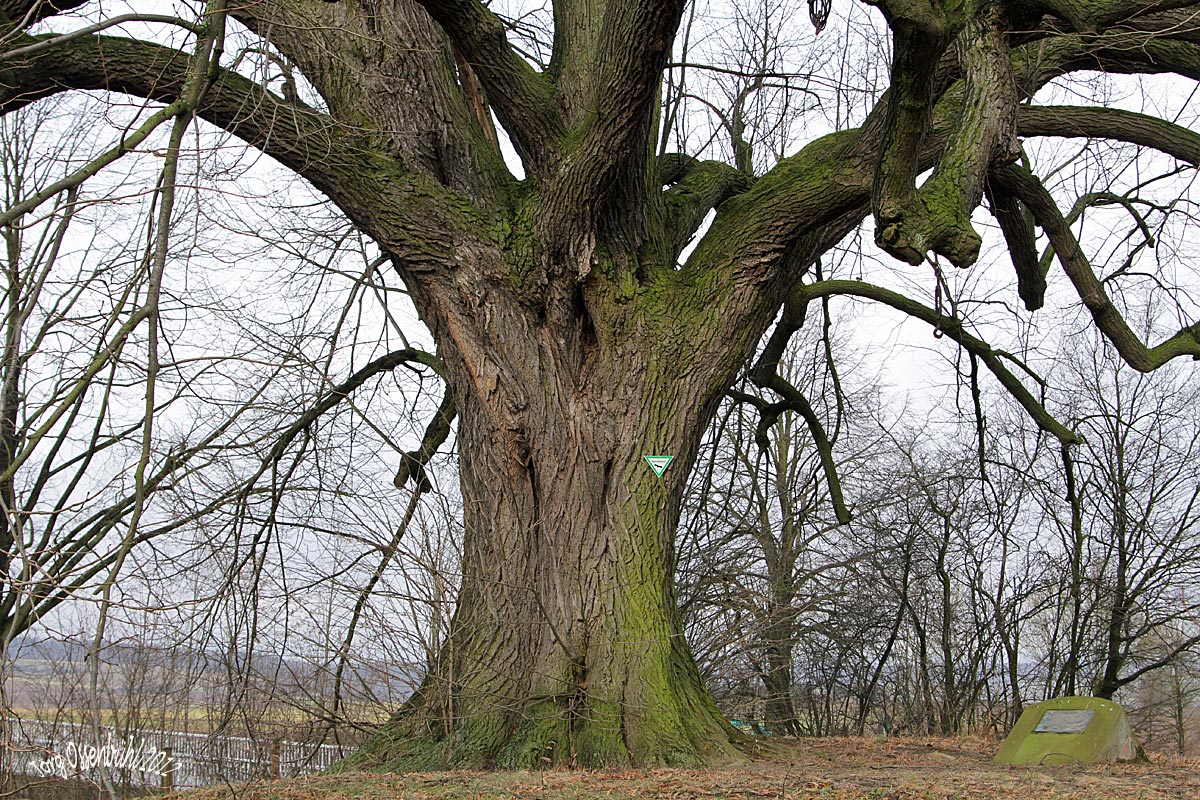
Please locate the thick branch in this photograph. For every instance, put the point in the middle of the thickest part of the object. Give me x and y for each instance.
(1172, 19)
(1092, 15)
(1120, 51)
(792, 214)
(937, 216)
(920, 35)
(607, 69)
(386, 68)
(1022, 183)
(29, 12)
(301, 139)
(696, 187)
(983, 134)
(410, 214)
(1111, 123)
(608, 65)
(1017, 226)
(791, 203)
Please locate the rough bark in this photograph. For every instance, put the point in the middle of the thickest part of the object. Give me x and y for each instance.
(567, 647)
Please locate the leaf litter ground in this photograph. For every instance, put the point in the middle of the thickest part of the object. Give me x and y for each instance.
(806, 769)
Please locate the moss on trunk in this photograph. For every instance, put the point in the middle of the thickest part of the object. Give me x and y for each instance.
(566, 647)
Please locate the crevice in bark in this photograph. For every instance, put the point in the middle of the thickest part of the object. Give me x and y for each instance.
(522, 96)
(535, 496)
(576, 705)
(587, 328)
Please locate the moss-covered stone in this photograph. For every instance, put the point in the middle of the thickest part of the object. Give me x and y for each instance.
(1096, 732)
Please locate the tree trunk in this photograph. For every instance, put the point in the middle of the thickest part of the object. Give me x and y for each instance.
(777, 680)
(1116, 639)
(566, 646)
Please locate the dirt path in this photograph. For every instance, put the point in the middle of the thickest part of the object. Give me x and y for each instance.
(812, 769)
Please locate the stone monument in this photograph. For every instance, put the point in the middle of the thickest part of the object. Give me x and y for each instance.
(1069, 730)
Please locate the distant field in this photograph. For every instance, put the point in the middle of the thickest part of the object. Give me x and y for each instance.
(816, 769)
(35, 692)
(53, 687)
(107, 716)
(197, 718)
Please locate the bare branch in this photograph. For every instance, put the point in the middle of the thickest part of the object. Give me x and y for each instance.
(955, 330)
(88, 170)
(28, 12)
(120, 19)
(412, 463)
(409, 212)
(1025, 185)
(766, 375)
(341, 391)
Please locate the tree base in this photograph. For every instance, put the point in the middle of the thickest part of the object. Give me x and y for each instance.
(547, 737)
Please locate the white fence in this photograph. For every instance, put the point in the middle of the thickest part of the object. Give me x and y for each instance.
(156, 758)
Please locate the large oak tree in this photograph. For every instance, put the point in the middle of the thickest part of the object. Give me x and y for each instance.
(574, 338)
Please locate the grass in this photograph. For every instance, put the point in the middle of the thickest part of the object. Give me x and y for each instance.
(825, 769)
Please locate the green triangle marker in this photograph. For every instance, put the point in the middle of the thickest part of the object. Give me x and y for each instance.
(658, 463)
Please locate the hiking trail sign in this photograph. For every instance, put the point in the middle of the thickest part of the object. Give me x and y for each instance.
(658, 463)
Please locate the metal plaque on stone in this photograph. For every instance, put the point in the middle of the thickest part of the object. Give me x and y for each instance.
(1064, 721)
